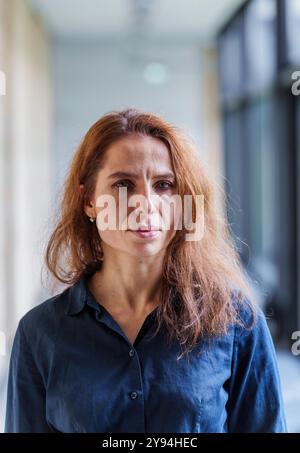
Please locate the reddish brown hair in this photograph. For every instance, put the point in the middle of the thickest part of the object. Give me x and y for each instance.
(204, 275)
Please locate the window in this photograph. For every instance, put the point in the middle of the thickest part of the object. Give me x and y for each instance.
(259, 114)
(231, 62)
(260, 45)
(292, 30)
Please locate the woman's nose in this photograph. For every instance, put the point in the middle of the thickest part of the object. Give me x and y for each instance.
(149, 198)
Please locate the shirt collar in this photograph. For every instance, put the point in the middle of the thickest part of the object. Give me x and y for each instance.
(78, 296)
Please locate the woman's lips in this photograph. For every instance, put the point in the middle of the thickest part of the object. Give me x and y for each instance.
(145, 233)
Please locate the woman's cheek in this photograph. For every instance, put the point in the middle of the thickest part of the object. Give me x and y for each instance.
(114, 239)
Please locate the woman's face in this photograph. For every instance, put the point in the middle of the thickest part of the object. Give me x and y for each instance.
(142, 164)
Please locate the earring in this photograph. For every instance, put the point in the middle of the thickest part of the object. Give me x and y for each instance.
(91, 219)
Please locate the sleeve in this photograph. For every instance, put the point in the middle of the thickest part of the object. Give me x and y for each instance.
(26, 395)
(255, 400)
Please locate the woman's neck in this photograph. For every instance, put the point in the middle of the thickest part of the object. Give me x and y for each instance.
(133, 283)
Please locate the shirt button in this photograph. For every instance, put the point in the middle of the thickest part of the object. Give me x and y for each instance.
(131, 353)
(133, 395)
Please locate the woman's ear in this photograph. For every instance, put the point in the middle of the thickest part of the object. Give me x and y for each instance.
(89, 208)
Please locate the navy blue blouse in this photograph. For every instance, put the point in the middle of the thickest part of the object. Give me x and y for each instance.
(72, 369)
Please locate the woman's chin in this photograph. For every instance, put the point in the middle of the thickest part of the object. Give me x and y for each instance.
(145, 249)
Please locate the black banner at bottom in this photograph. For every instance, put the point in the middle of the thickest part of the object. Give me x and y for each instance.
(136, 442)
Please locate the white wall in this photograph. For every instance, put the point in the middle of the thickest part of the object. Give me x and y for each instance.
(91, 78)
(25, 119)
(2, 181)
(30, 145)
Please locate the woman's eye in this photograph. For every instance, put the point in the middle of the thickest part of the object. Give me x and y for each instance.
(164, 185)
(123, 183)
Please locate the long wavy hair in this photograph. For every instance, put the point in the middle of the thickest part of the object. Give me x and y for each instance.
(203, 282)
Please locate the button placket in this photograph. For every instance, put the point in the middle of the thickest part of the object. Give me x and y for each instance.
(133, 395)
(131, 353)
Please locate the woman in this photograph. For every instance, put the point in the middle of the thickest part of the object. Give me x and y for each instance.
(154, 333)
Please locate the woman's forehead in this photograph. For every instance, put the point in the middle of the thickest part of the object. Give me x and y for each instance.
(136, 151)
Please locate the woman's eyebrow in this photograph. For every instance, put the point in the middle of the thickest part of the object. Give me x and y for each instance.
(126, 174)
(165, 175)
(123, 174)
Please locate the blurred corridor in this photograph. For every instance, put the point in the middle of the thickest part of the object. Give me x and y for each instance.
(221, 70)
